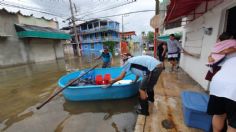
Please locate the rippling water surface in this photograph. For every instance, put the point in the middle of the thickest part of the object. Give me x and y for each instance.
(25, 87)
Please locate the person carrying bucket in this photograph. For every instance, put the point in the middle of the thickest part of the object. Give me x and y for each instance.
(106, 58)
(149, 69)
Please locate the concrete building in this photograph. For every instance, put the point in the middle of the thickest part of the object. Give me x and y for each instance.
(94, 33)
(26, 39)
(205, 21)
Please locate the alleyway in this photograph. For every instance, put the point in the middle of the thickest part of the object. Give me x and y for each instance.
(167, 108)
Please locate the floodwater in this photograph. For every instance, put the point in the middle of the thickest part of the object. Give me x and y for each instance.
(24, 87)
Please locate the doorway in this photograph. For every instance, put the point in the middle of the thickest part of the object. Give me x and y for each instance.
(231, 21)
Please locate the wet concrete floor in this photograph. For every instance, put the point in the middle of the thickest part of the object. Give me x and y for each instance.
(166, 113)
(25, 87)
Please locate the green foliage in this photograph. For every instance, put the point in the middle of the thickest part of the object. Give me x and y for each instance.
(143, 33)
(110, 45)
(150, 36)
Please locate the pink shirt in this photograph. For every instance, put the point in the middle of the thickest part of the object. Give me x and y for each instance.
(220, 46)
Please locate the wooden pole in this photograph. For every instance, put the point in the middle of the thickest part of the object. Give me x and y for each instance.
(51, 97)
(156, 30)
(75, 30)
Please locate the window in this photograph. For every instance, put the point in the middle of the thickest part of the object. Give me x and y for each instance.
(174, 24)
(92, 45)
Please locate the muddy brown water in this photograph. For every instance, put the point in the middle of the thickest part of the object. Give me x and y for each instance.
(25, 87)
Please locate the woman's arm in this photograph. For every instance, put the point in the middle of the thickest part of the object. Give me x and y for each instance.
(228, 51)
(136, 79)
(210, 59)
(164, 50)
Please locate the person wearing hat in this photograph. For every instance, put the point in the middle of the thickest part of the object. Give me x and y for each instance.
(146, 67)
(106, 58)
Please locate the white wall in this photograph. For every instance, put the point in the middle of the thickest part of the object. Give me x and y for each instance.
(173, 30)
(195, 41)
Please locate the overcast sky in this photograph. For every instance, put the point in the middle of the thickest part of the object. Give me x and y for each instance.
(133, 22)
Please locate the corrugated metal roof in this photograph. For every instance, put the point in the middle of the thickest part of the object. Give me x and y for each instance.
(25, 27)
(32, 31)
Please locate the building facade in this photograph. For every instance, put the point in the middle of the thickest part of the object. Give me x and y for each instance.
(93, 34)
(26, 39)
(204, 22)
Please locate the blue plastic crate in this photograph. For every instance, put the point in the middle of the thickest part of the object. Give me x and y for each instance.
(194, 109)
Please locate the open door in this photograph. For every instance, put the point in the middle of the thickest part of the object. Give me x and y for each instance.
(231, 21)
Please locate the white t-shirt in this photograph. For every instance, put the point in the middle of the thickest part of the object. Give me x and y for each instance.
(223, 83)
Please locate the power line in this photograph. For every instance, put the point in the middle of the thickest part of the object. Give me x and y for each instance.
(122, 14)
(88, 14)
(27, 8)
(95, 8)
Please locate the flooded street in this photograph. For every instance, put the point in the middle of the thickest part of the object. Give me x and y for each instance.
(25, 87)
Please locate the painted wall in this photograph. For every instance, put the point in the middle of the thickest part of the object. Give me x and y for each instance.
(90, 38)
(195, 41)
(37, 21)
(58, 48)
(173, 30)
(41, 50)
(15, 51)
(12, 50)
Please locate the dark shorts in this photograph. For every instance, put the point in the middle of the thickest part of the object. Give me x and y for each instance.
(221, 105)
(150, 80)
(172, 59)
(161, 58)
(172, 56)
(178, 58)
(106, 64)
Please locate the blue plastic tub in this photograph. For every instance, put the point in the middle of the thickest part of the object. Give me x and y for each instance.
(194, 109)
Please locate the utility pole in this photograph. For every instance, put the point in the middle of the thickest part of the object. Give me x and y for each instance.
(156, 30)
(122, 30)
(75, 31)
(122, 23)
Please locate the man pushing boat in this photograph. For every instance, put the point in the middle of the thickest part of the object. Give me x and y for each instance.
(146, 67)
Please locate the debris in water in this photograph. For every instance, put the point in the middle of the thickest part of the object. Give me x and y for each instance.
(167, 124)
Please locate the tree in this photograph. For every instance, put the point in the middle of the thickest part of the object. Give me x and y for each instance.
(150, 36)
(143, 33)
(110, 45)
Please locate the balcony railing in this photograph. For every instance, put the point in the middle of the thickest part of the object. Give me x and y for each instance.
(100, 40)
(99, 29)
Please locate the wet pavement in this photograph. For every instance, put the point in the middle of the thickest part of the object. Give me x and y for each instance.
(25, 87)
(166, 113)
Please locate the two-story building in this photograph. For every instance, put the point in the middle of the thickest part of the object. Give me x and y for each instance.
(94, 33)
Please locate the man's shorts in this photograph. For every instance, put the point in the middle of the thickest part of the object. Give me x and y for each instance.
(106, 65)
(172, 56)
(221, 105)
(150, 80)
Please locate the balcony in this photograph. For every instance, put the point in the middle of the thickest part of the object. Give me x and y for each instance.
(100, 29)
(116, 39)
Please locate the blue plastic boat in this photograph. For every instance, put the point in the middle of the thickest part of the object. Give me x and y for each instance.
(97, 92)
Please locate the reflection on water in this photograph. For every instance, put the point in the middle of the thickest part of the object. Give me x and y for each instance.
(25, 87)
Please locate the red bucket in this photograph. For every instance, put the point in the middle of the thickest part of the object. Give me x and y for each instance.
(99, 80)
(107, 78)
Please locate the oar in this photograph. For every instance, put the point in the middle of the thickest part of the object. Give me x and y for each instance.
(50, 98)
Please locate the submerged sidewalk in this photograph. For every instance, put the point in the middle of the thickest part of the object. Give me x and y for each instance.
(166, 112)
